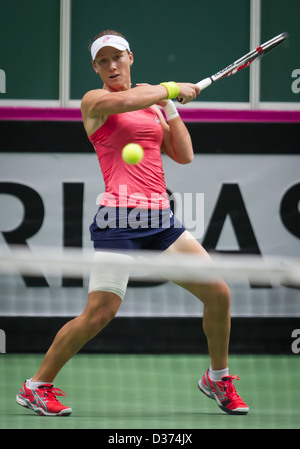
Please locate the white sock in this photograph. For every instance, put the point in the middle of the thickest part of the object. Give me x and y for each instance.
(33, 385)
(216, 375)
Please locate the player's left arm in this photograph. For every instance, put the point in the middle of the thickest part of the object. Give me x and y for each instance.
(177, 143)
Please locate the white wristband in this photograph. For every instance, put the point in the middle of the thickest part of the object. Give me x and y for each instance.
(170, 110)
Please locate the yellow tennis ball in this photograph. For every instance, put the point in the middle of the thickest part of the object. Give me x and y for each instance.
(132, 153)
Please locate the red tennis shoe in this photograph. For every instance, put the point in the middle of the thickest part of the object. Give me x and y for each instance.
(224, 392)
(42, 400)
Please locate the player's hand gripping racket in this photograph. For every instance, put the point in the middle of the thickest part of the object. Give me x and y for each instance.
(243, 62)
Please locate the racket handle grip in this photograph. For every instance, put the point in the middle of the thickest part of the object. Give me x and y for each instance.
(204, 83)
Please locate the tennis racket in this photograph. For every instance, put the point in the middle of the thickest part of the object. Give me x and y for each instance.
(243, 62)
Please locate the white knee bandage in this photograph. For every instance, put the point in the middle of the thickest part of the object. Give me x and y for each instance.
(108, 279)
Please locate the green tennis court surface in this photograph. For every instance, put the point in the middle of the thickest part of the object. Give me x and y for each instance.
(154, 392)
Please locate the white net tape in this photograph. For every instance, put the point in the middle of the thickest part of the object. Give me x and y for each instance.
(178, 267)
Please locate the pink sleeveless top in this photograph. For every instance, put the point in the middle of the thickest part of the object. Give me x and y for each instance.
(141, 185)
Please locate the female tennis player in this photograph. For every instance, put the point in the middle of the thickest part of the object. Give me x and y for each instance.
(113, 116)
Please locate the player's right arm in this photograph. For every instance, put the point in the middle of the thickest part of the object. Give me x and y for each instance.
(98, 104)
(103, 102)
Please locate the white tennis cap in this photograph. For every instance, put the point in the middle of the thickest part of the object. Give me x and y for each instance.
(109, 40)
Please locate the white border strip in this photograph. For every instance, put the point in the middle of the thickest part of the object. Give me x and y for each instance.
(193, 105)
(30, 103)
(255, 25)
(279, 106)
(65, 50)
(75, 104)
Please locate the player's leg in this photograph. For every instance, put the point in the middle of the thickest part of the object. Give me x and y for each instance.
(38, 393)
(101, 308)
(107, 288)
(216, 299)
(216, 383)
(106, 291)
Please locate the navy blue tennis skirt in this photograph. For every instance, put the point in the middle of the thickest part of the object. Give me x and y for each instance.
(137, 229)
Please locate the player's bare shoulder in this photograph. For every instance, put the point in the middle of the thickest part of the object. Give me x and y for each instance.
(92, 118)
(91, 98)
